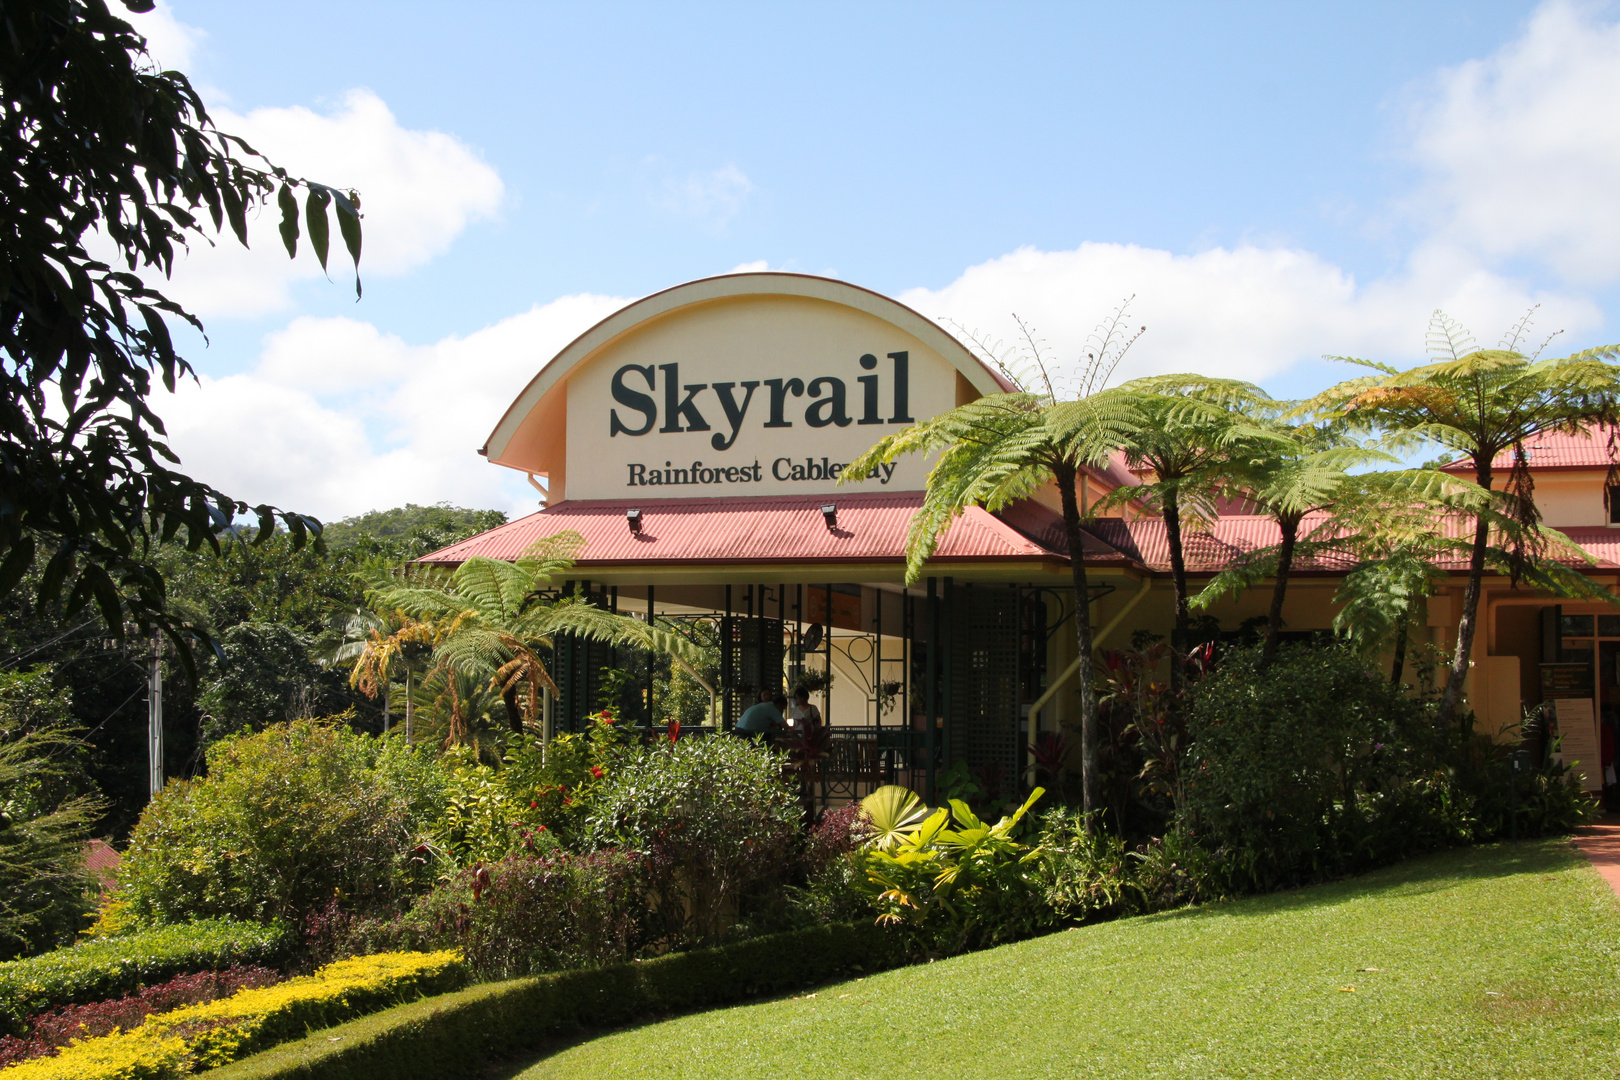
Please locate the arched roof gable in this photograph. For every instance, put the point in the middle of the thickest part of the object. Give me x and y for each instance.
(661, 305)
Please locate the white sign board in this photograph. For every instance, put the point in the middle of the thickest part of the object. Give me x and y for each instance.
(755, 395)
(1579, 746)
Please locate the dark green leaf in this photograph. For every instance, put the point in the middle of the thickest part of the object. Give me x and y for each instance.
(235, 212)
(107, 599)
(289, 219)
(348, 215)
(56, 572)
(18, 560)
(315, 221)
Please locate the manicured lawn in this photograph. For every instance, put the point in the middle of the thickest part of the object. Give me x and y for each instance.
(1490, 962)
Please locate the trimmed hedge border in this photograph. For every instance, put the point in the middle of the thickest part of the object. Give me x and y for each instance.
(457, 1035)
(105, 968)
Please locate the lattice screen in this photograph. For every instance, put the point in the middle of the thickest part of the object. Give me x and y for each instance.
(577, 667)
(751, 658)
(982, 725)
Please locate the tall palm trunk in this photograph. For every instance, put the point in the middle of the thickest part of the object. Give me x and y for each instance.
(1400, 648)
(1470, 609)
(1285, 563)
(514, 711)
(1091, 762)
(1178, 576)
(410, 707)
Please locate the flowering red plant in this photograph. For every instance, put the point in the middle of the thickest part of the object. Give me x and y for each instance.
(674, 730)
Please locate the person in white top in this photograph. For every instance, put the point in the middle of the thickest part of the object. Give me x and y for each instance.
(801, 711)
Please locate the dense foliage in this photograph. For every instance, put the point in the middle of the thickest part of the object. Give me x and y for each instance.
(715, 820)
(532, 911)
(952, 889)
(280, 613)
(285, 820)
(48, 806)
(100, 149)
(1316, 767)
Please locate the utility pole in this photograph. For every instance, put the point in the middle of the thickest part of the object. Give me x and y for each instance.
(410, 711)
(154, 716)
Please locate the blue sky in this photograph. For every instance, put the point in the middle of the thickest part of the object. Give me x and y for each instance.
(1271, 182)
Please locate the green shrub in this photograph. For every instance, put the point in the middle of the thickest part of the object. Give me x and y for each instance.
(286, 820)
(110, 967)
(951, 890)
(1544, 795)
(1316, 766)
(1309, 767)
(832, 891)
(1095, 874)
(717, 824)
(531, 912)
(538, 788)
(459, 1034)
(47, 808)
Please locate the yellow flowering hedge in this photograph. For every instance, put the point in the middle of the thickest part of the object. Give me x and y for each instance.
(175, 1043)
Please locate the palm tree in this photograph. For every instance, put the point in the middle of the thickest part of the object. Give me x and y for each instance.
(376, 642)
(1305, 471)
(1004, 447)
(1380, 598)
(1483, 403)
(492, 619)
(461, 708)
(1190, 430)
(1387, 524)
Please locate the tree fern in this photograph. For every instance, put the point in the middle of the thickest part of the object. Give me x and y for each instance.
(1004, 447)
(1482, 403)
(490, 621)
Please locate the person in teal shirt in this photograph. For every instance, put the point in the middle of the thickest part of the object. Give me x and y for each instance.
(762, 718)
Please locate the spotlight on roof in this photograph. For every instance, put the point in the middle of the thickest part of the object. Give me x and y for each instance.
(829, 514)
(633, 519)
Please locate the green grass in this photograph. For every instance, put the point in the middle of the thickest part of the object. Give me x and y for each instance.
(1484, 962)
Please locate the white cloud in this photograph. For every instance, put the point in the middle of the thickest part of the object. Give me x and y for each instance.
(715, 196)
(1248, 312)
(339, 418)
(170, 42)
(1520, 152)
(419, 190)
(1522, 148)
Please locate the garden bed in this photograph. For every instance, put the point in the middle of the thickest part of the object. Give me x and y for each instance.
(457, 1034)
(1488, 961)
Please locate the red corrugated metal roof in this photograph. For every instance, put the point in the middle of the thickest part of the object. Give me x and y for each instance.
(774, 529)
(1210, 550)
(1603, 544)
(1206, 550)
(101, 859)
(872, 528)
(1552, 450)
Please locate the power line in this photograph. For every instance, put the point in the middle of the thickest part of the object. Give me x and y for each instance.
(12, 660)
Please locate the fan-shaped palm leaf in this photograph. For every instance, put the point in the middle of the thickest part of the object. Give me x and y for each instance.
(894, 812)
